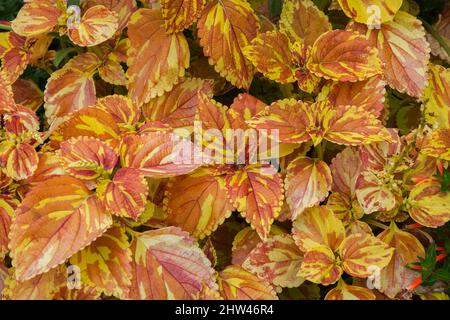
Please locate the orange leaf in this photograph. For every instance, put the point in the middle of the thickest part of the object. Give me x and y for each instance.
(372, 12)
(256, 191)
(56, 219)
(316, 227)
(177, 108)
(361, 252)
(224, 29)
(277, 261)
(19, 161)
(126, 195)
(180, 14)
(88, 122)
(27, 94)
(168, 264)
(437, 97)
(302, 21)
(7, 206)
(320, 265)
(125, 112)
(197, 203)
(87, 158)
(41, 287)
(368, 94)
(71, 88)
(272, 54)
(106, 263)
(344, 291)
(346, 168)
(428, 205)
(396, 277)
(155, 155)
(344, 56)
(123, 8)
(38, 17)
(404, 51)
(97, 25)
(156, 59)
(235, 283)
(308, 182)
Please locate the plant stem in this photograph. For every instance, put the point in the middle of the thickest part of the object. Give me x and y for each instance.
(5, 27)
(320, 149)
(437, 36)
(376, 223)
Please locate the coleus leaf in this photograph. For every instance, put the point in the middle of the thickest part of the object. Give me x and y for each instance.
(155, 155)
(87, 158)
(396, 277)
(225, 28)
(180, 14)
(361, 252)
(318, 226)
(7, 102)
(428, 205)
(123, 8)
(302, 21)
(84, 293)
(320, 266)
(277, 261)
(438, 144)
(125, 112)
(248, 239)
(437, 97)
(280, 60)
(88, 122)
(125, 195)
(236, 283)
(344, 291)
(156, 59)
(97, 25)
(72, 87)
(344, 56)
(27, 94)
(256, 191)
(16, 58)
(308, 182)
(56, 219)
(106, 263)
(372, 12)
(168, 264)
(112, 71)
(404, 51)
(7, 207)
(18, 161)
(297, 122)
(374, 194)
(368, 94)
(41, 287)
(177, 108)
(345, 169)
(197, 203)
(38, 17)
(273, 55)
(376, 156)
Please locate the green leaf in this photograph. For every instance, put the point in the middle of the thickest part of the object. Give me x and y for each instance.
(275, 7)
(62, 54)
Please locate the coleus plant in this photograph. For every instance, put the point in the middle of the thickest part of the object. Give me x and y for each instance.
(103, 194)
